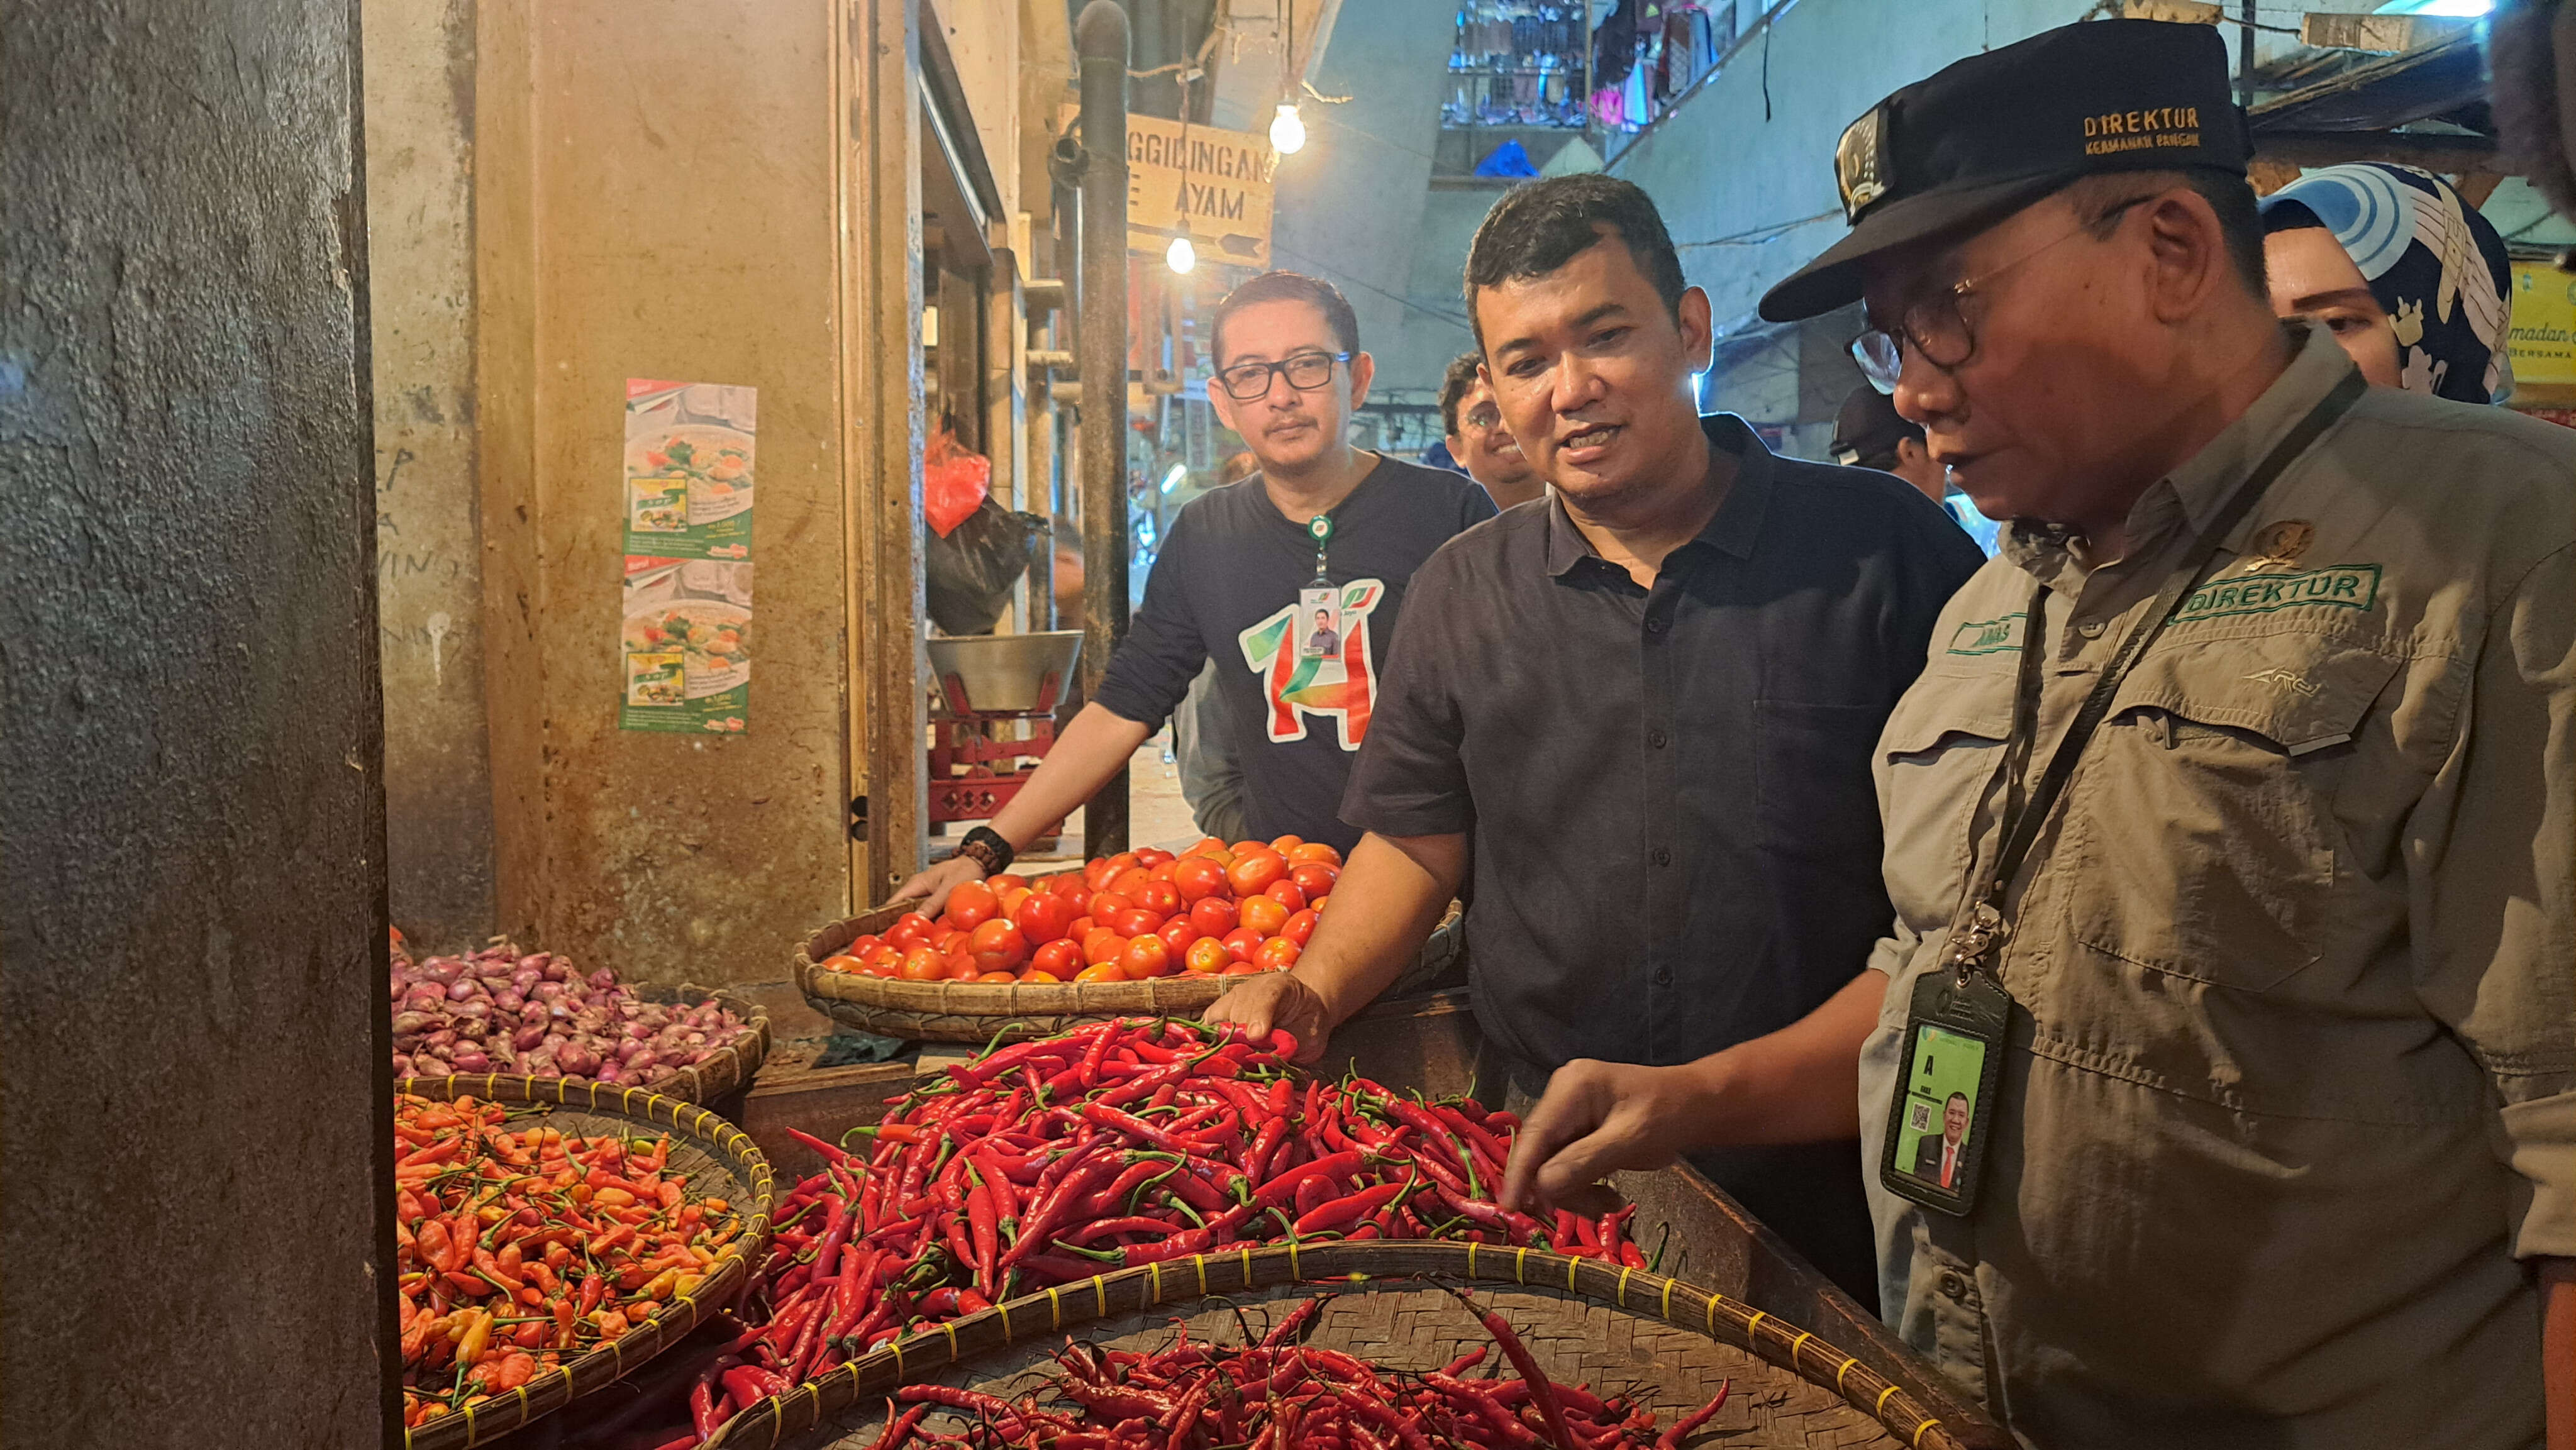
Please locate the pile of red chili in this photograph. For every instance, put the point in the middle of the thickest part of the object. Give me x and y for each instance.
(1277, 1393)
(1108, 1147)
(522, 1247)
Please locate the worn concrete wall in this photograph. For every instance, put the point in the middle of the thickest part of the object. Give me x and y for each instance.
(984, 41)
(420, 226)
(627, 227)
(1433, 327)
(193, 1024)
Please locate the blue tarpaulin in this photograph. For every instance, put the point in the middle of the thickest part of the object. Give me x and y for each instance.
(1507, 159)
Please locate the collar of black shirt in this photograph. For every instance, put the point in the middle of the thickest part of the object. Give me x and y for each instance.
(1732, 529)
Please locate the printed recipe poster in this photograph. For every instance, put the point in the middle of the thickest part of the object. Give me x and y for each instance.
(685, 631)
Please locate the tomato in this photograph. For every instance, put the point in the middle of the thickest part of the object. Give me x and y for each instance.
(865, 943)
(1241, 943)
(1239, 969)
(1080, 928)
(911, 921)
(962, 968)
(1264, 915)
(972, 904)
(1317, 905)
(1097, 872)
(1207, 846)
(1146, 956)
(997, 977)
(1131, 883)
(886, 956)
(1285, 844)
(1033, 974)
(1162, 872)
(1070, 886)
(882, 969)
(1252, 875)
(1060, 957)
(1300, 927)
(924, 964)
(1103, 945)
(1100, 972)
(1313, 877)
(1178, 934)
(1215, 915)
(1314, 852)
(1153, 856)
(1006, 883)
(841, 962)
(1287, 895)
(1241, 849)
(949, 939)
(1208, 956)
(1107, 904)
(1160, 898)
(1011, 901)
(1276, 954)
(1042, 918)
(1197, 878)
(1138, 922)
(998, 946)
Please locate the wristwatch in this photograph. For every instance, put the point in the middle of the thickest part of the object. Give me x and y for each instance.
(985, 847)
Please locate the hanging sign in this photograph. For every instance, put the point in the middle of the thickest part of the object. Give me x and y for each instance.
(2543, 333)
(1219, 181)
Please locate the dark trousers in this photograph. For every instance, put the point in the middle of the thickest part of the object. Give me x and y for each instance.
(1810, 1194)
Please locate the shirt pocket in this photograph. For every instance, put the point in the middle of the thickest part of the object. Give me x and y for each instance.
(2202, 818)
(1938, 758)
(1812, 791)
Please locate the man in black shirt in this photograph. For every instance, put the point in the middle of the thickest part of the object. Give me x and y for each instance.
(1650, 705)
(1320, 515)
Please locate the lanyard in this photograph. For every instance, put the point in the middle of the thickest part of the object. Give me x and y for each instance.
(1974, 940)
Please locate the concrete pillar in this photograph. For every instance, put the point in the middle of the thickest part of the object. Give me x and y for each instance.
(194, 1055)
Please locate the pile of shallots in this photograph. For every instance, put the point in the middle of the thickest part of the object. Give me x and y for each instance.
(536, 1015)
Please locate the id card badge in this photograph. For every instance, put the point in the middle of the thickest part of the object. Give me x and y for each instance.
(1945, 1100)
(1319, 622)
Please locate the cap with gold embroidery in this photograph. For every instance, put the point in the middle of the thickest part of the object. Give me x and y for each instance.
(1996, 132)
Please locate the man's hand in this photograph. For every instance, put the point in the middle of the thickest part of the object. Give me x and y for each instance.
(933, 885)
(1599, 1118)
(1275, 1000)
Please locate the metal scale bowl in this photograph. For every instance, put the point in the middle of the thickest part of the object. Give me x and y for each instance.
(995, 718)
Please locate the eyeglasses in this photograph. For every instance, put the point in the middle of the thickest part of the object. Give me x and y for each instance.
(1936, 327)
(1306, 372)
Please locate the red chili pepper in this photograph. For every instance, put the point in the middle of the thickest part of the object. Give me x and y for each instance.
(1671, 1439)
(1540, 1389)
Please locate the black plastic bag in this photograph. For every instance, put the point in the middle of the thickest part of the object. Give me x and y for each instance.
(967, 576)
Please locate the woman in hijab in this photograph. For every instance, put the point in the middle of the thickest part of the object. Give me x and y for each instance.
(2410, 279)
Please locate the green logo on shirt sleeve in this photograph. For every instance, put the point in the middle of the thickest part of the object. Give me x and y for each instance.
(1987, 636)
(2344, 586)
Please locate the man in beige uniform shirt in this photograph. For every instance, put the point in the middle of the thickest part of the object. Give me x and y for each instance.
(2280, 1149)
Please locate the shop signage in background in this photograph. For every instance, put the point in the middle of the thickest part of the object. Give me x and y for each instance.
(2543, 335)
(1218, 181)
(684, 634)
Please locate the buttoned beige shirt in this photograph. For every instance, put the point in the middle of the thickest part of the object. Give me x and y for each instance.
(2292, 1084)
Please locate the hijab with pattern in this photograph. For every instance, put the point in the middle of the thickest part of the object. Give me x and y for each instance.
(2437, 267)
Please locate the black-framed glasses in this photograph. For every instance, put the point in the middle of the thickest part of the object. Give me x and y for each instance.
(1306, 372)
(1937, 327)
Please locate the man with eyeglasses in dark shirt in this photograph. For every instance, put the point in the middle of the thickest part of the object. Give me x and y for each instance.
(1240, 578)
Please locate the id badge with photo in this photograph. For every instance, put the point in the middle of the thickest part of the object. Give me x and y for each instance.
(1319, 622)
(1943, 1109)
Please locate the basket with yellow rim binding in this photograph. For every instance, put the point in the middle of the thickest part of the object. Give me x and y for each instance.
(720, 1161)
(728, 1067)
(1584, 1321)
(985, 1012)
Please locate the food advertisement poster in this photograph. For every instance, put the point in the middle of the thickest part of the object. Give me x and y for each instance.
(685, 626)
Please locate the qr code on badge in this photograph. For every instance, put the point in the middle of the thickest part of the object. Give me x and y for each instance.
(1918, 1116)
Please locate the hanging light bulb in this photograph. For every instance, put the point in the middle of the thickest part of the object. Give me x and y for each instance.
(1287, 130)
(1182, 256)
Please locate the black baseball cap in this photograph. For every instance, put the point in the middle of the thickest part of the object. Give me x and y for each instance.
(1993, 133)
(1869, 425)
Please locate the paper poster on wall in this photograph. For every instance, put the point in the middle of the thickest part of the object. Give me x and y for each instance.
(689, 468)
(684, 637)
(686, 645)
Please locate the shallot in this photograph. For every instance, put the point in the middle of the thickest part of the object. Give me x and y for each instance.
(536, 1013)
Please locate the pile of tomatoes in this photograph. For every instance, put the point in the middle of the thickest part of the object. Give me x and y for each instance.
(1216, 910)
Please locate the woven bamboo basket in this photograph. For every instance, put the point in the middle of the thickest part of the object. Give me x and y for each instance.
(978, 1012)
(1583, 1321)
(719, 1158)
(729, 1067)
